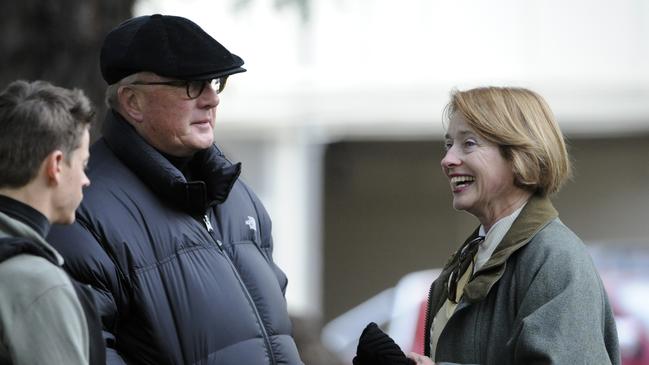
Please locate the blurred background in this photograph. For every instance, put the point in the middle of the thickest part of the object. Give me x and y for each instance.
(338, 125)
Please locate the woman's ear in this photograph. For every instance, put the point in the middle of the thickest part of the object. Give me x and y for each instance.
(130, 101)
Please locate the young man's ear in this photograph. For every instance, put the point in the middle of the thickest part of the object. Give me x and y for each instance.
(52, 166)
(130, 102)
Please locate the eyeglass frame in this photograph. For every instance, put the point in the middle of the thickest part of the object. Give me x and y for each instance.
(187, 83)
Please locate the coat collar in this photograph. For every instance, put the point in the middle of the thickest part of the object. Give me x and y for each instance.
(17, 236)
(215, 175)
(536, 214)
(25, 214)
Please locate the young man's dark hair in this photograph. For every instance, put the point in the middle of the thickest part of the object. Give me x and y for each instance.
(38, 118)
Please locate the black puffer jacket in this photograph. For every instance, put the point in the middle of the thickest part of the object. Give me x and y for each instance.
(183, 270)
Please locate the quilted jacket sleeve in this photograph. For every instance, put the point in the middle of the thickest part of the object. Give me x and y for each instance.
(89, 263)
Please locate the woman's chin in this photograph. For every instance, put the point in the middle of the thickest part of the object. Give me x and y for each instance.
(459, 205)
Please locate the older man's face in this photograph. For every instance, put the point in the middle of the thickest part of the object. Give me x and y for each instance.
(174, 123)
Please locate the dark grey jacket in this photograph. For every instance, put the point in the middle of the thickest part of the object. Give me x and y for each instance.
(183, 270)
(538, 300)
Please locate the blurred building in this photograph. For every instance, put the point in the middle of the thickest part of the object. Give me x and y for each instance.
(338, 123)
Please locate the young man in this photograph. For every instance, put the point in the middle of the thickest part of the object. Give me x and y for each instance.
(45, 318)
(178, 248)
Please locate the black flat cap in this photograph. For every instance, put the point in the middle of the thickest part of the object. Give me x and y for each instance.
(167, 45)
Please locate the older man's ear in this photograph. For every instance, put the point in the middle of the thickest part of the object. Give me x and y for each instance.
(130, 104)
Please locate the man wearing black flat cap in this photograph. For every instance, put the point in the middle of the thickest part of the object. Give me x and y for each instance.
(177, 248)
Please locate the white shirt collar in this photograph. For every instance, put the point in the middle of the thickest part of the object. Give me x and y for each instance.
(493, 237)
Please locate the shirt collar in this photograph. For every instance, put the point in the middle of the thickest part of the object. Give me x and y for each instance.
(494, 236)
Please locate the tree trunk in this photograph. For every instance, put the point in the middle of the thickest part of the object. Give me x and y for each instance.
(59, 41)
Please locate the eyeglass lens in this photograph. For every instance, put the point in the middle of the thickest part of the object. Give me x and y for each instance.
(195, 88)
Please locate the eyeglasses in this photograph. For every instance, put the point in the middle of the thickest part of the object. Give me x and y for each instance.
(194, 88)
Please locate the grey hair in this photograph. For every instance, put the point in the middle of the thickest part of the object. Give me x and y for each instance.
(111, 91)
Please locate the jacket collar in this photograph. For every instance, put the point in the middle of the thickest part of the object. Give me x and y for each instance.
(16, 234)
(215, 175)
(26, 214)
(538, 213)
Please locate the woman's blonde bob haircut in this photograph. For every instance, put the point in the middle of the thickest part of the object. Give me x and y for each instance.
(522, 124)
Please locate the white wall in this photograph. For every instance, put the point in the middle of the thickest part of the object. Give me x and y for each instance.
(363, 59)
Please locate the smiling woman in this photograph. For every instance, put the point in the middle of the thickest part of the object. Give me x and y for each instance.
(522, 124)
(482, 180)
(530, 292)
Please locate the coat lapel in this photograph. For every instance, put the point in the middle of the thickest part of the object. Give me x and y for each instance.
(535, 215)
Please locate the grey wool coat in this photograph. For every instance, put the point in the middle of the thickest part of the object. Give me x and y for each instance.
(538, 300)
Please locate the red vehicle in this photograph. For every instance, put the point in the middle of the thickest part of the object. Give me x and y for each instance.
(629, 295)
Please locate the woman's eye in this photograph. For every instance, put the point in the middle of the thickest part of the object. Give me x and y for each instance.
(470, 143)
(447, 145)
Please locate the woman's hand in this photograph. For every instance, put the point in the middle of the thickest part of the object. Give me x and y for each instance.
(420, 359)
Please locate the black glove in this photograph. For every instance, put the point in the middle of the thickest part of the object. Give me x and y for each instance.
(377, 348)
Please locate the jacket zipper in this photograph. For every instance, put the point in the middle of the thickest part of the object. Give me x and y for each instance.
(427, 324)
(210, 230)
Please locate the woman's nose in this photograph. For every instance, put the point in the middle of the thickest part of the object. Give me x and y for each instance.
(450, 159)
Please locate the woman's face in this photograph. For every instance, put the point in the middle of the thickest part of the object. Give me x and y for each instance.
(482, 181)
